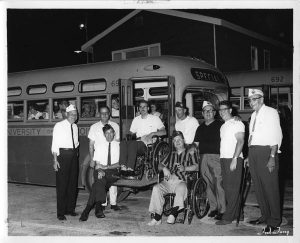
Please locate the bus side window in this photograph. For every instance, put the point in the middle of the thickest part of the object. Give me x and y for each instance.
(60, 106)
(115, 106)
(38, 109)
(90, 106)
(15, 110)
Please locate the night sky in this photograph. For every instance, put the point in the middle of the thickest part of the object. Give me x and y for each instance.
(42, 38)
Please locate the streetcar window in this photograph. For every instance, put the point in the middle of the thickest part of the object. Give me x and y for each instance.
(90, 106)
(115, 105)
(92, 85)
(157, 91)
(15, 110)
(36, 89)
(63, 87)
(38, 110)
(60, 106)
(14, 91)
(235, 98)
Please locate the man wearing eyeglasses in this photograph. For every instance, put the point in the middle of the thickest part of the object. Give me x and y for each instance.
(207, 139)
(264, 142)
(144, 126)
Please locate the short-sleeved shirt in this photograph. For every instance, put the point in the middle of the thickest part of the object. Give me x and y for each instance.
(144, 126)
(185, 158)
(188, 127)
(228, 139)
(96, 133)
(208, 137)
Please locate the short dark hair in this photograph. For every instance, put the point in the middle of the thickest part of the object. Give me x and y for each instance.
(227, 103)
(107, 127)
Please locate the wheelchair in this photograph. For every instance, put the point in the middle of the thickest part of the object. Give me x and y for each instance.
(196, 202)
(146, 170)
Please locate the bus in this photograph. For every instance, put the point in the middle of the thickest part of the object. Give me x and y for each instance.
(37, 99)
(277, 86)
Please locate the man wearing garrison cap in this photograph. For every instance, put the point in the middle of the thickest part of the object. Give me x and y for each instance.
(264, 142)
(65, 163)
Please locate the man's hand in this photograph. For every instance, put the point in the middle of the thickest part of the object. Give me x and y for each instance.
(271, 164)
(101, 174)
(56, 165)
(167, 173)
(233, 164)
(147, 139)
(180, 168)
(246, 162)
(92, 163)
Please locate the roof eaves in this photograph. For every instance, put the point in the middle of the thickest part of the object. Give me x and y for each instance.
(86, 46)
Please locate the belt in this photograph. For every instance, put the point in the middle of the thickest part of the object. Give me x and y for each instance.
(68, 149)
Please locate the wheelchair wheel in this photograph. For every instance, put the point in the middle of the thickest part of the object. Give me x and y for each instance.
(200, 202)
(161, 151)
(150, 174)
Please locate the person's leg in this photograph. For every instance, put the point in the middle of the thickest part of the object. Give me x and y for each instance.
(113, 193)
(215, 168)
(207, 176)
(62, 177)
(123, 160)
(73, 184)
(134, 148)
(232, 193)
(254, 166)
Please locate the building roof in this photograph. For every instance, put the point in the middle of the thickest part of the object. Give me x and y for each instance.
(185, 15)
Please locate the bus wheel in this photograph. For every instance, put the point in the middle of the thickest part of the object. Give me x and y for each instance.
(89, 178)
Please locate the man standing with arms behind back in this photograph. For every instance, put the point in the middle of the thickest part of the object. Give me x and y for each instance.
(65, 162)
(208, 140)
(265, 138)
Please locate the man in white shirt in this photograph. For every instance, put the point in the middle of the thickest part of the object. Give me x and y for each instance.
(265, 138)
(145, 126)
(105, 174)
(185, 124)
(65, 162)
(232, 134)
(96, 138)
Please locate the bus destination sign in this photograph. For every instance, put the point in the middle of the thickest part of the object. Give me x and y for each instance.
(206, 75)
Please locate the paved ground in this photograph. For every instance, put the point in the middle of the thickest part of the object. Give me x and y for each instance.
(32, 212)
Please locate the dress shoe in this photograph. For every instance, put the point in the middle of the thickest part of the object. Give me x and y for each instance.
(85, 214)
(72, 214)
(61, 217)
(219, 216)
(256, 221)
(100, 214)
(115, 207)
(271, 230)
(223, 222)
(212, 213)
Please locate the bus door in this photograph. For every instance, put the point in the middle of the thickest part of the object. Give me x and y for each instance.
(126, 106)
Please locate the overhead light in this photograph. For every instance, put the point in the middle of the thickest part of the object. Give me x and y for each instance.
(78, 51)
(81, 26)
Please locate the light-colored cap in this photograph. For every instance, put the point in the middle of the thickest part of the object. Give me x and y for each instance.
(206, 103)
(70, 108)
(255, 92)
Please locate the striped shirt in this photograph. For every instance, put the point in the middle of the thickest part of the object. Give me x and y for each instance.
(184, 158)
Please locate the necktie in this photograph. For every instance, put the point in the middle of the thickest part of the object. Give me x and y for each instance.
(72, 136)
(109, 156)
(253, 128)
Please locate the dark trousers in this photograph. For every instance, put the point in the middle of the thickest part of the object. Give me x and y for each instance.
(265, 184)
(101, 186)
(231, 184)
(129, 150)
(67, 181)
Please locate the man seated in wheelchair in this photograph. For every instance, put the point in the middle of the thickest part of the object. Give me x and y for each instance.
(144, 126)
(175, 168)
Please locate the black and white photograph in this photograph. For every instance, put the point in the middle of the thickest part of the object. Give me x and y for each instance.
(150, 119)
